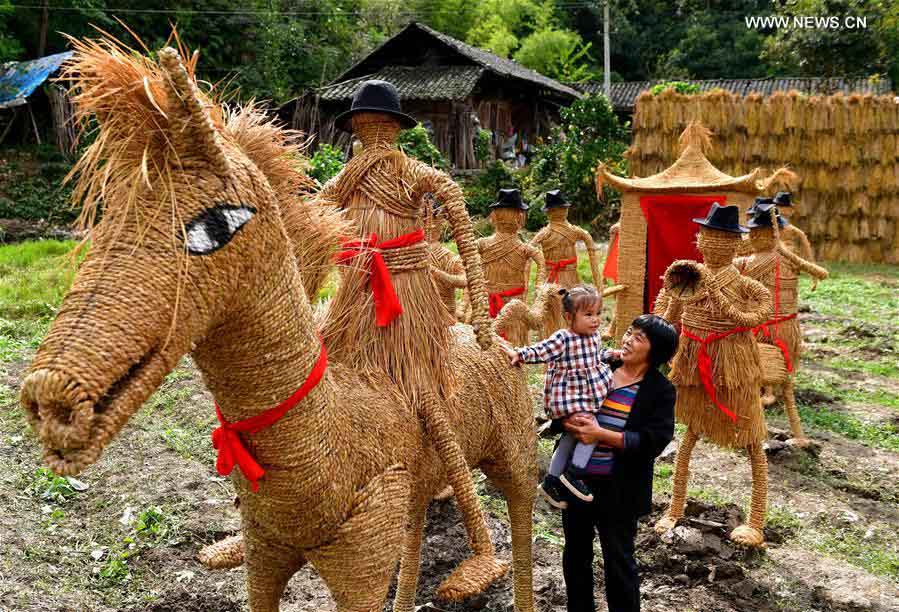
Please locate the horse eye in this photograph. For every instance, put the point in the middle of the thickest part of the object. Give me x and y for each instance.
(215, 227)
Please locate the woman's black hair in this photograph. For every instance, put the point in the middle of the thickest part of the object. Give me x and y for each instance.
(662, 337)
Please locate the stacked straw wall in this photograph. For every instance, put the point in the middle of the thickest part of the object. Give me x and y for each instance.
(844, 148)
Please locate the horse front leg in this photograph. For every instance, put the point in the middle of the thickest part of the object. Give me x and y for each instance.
(270, 566)
(407, 583)
(359, 562)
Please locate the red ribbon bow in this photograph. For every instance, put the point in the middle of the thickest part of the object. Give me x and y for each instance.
(496, 299)
(557, 266)
(706, 374)
(387, 305)
(226, 437)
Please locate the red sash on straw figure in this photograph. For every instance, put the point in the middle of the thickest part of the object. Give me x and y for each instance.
(557, 266)
(706, 373)
(387, 305)
(765, 328)
(497, 299)
(226, 437)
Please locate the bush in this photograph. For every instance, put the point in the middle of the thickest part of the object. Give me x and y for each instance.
(326, 162)
(31, 186)
(681, 87)
(416, 142)
(482, 145)
(590, 133)
(480, 191)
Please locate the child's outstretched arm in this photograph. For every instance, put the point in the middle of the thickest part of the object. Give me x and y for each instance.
(544, 351)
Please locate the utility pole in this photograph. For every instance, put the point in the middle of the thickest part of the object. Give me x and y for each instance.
(606, 56)
(45, 21)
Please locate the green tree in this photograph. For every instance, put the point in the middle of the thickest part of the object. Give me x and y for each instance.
(559, 54)
(10, 48)
(832, 52)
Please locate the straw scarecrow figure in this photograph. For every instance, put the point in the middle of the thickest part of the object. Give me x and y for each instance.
(387, 316)
(332, 468)
(716, 369)
(507, 260)
(558, 241)
(793, 237)
(780, 339)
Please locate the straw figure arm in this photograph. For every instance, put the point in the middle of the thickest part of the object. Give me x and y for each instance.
(803, 265)
(591, 254)
(536, 255)
(754, 313)
(328, 194)
(447, 191)
(452, 275)
(668, 307)
(791, 232)
(546, 298)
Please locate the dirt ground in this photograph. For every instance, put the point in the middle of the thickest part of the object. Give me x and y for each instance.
(124, 535)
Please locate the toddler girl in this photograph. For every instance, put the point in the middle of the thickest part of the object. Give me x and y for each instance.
(577, 380)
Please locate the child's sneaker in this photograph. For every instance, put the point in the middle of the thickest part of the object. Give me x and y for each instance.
(577, 486)
(553, 491)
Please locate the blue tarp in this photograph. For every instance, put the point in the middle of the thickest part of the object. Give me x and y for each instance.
(19, 79)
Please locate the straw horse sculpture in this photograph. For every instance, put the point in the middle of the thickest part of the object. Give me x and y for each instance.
(192, 255)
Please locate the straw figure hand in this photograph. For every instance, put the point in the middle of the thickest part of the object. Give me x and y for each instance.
(717, 370)
(779, 337)
(181, 262)
(558, 243)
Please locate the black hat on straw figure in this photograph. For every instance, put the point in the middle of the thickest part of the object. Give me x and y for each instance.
(509, 198)
(760, 214)
(723, 218)
(375, 96)
(555, 199)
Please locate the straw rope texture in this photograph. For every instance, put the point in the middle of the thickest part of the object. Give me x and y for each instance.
(846, 148)
(558, 242)
(196, 207)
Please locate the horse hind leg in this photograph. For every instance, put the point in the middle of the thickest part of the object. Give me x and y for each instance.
(269, 567)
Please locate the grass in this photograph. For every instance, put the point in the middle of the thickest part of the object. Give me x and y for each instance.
(855, 291)
(879, 435)
(858, 545)
(840, 392)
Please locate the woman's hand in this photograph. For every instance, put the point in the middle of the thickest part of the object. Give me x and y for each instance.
(512, 354)
(583, 426)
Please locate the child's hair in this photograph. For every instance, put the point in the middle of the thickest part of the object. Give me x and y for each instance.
(578, 298)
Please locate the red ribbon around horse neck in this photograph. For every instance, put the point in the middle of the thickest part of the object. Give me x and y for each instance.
(557, 266)
(226, 437)
(496, 299)
(706, 372)
(387, 305)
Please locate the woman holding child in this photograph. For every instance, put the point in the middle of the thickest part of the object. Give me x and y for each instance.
(616, 421)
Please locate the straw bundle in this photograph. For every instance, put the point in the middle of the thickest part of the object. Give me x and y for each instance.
(446, 267)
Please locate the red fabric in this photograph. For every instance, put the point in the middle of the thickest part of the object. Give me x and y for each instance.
(557, 266)
(497, 302)
(706, 373)
(671, 234)
(226, 437)
(765, 329)
(610, 270)
(387, 305)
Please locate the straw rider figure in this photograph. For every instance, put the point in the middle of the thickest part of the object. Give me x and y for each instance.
(387, 316)
(778, 269)
(717, 370)
(507, 260)
(558, 241)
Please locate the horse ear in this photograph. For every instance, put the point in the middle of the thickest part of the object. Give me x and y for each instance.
(191, 127)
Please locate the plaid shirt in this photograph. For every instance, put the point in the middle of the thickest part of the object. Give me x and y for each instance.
(576, 379)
